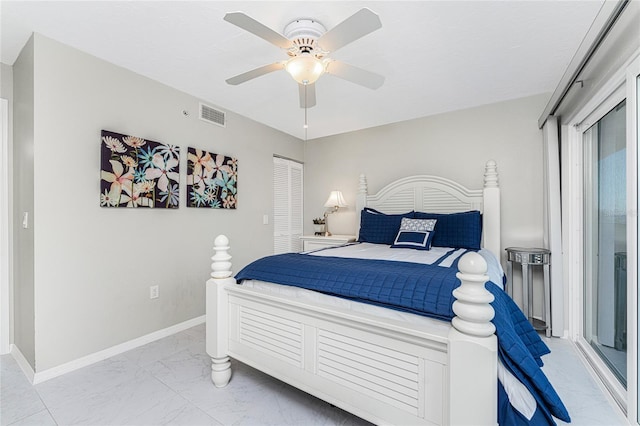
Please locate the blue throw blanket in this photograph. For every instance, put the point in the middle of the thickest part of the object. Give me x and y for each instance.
(424, 290)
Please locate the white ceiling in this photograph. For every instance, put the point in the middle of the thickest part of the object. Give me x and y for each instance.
(437, 56)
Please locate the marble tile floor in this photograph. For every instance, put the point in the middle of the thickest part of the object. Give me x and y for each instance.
(167, 382)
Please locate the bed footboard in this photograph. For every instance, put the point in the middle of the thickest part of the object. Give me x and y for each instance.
(383, 371)
(473, 348)
(216, 312)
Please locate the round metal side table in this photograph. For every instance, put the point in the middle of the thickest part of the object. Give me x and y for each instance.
(527, 257)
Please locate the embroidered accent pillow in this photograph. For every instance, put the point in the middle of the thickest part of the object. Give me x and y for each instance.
(415, 234)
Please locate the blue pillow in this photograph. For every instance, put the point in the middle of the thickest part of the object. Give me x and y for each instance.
(415, 234)
(457, 230)
(379, 228)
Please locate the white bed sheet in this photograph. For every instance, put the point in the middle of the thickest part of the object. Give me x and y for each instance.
(385, 252)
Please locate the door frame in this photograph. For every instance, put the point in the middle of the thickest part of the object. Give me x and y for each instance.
(633, 225)
(616, 89)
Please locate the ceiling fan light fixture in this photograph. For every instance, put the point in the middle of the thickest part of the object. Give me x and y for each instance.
(305, 69)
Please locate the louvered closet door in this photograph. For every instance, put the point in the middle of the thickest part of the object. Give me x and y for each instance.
(287, 205)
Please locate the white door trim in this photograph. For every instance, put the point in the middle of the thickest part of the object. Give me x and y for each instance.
(633, 100)
(5, 231)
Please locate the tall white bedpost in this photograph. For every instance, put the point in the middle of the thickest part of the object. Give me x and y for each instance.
(216, 309)
(473, 391)
(491, 209)
(361, 199)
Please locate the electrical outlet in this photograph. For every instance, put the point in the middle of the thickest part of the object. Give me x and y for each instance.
(154, 292)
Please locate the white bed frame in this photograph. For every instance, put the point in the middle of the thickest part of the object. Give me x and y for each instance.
(385, 371)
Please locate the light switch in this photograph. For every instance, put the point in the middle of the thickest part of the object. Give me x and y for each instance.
(265, 219)
(25, 220)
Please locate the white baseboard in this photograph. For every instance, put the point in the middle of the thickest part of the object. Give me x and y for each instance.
(22, 362)
(59, 370)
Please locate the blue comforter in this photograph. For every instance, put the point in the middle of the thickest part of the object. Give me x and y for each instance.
(424, 290)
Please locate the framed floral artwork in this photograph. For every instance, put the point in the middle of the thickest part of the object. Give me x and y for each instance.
(136, 172)
(212, 180)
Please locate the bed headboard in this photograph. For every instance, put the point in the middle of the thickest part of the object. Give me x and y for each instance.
(439, 195)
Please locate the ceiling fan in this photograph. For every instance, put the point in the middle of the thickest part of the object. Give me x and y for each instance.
(308, 44)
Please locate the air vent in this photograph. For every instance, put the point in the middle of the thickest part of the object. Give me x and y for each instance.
(212, 115)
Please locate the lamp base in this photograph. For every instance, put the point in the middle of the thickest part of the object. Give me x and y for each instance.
(326, 223)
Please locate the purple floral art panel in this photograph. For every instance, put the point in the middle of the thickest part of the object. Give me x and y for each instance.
(135, 172)
(212, 180)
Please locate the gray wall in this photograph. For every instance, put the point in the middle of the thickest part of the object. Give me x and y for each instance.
(93, 266)
(454, 145)
(6, 81)
(23, 201)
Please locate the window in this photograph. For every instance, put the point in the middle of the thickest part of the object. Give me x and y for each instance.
(605, 240)
(287, 205)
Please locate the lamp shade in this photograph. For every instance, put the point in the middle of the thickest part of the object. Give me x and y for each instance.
(335, 200)
(305, 69)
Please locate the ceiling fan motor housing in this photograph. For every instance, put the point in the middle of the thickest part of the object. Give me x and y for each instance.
(304, 33)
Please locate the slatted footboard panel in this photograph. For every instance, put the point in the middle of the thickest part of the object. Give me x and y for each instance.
(272, 334)
(375, 370)
(356, 366)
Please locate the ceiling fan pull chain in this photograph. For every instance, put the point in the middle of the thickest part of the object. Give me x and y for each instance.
(306, 123)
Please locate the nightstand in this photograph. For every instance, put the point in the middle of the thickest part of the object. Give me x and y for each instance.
(528, 257)
(314, 242)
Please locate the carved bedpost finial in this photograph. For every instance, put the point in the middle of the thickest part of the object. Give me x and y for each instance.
(362, 185)
(221, 266)
(361, 199)
(472, 307)
(473, 348)
(491, 174)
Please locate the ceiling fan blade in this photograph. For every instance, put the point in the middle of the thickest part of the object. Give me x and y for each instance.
(357, 25)
(355, 75)
(249, 24)
(307, 100)
(249, 75)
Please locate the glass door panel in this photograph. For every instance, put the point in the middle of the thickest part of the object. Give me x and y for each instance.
(605, 240)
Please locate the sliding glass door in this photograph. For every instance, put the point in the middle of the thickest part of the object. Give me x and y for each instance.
(600, 234)
(605, 240)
